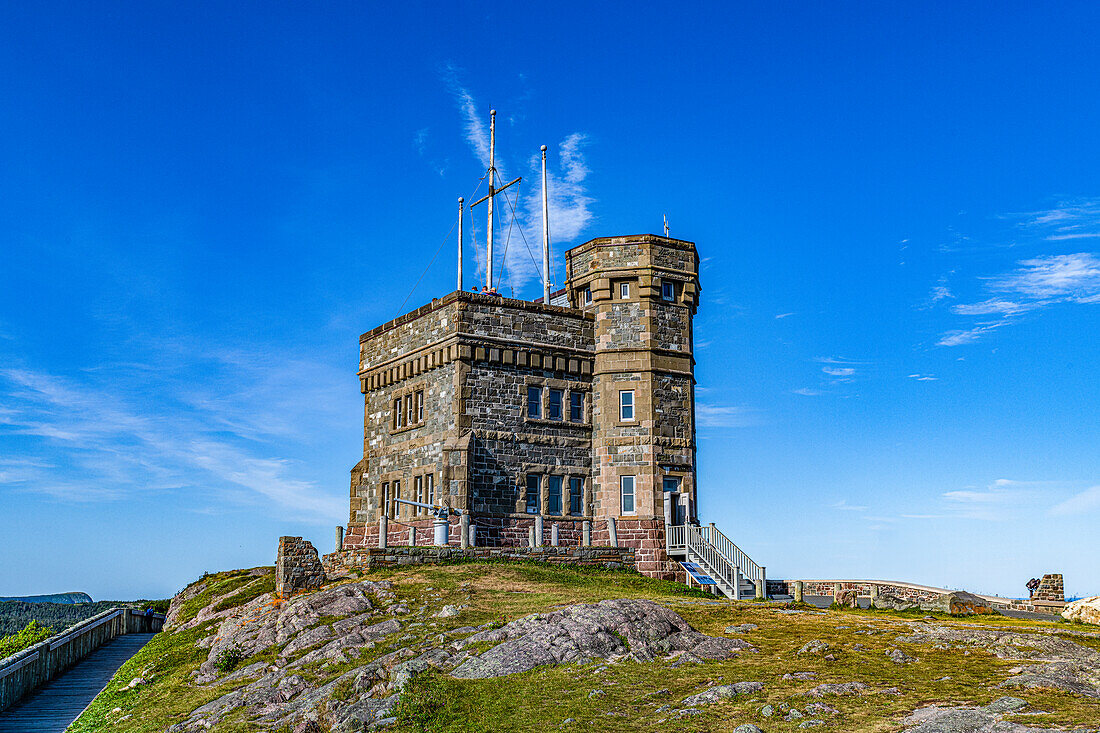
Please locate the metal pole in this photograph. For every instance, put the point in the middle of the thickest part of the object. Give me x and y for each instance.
(545, 235)
(460, 217)
(492, 174)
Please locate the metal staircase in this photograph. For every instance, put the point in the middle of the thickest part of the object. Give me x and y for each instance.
(710, 559)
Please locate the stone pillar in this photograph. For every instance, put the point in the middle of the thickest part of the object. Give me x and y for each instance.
(554, 534)
(383, 531)
(612, 532)
(339, 538)
(836, 592)
(538, 530)
(797, 591)
(761, 589)
(412, 536)
(586, 533)
(531, 536)
(472, 538)
(297, 567)
(464, 530)
(874, 595)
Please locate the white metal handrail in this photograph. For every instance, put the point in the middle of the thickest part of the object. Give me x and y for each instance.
(717, 565)
(733, 553)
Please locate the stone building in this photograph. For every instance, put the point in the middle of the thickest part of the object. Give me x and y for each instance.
(576, 412)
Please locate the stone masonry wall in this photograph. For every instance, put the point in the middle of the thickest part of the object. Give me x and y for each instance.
(368, 558)
(297, 567)
(1050, 588)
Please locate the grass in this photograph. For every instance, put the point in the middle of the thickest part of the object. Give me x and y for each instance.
(543, 698)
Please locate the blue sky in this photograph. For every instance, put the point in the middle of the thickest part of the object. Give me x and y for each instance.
(202, 206)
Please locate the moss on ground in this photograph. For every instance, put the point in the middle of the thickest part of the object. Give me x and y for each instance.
(543, 698)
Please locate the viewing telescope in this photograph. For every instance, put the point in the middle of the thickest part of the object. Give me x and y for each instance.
(440, 527)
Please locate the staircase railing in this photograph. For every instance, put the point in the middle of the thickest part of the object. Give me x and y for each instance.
(723, 559)
(733, 553)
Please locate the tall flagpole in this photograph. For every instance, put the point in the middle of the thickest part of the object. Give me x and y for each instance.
(492, 182)
(545, 235)
(460, 217)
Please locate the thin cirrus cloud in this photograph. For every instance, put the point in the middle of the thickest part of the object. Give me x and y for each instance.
(725, 416)
(1036, 282)
(1086, 502)
(568, 198)
(88, 441)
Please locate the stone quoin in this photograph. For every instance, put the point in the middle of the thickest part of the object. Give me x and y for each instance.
(576, 416)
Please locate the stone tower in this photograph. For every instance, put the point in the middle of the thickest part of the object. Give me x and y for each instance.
(643, 291)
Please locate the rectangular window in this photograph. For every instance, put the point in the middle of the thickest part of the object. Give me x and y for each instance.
(587, 296)
(626, 405)
(553, 495)
(576, 406)
(668, 290)
(626, 492)
(394, 506)
(672, 483)
(386, 498)
(576, 494)
(534, 402)
(420, 406)
(534, 485)
(553, 404)
(410, 416)
(419, 493)
(624, 290)
(429, 482)
(397, 423)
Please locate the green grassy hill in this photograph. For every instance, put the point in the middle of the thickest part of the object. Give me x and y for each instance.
(395, 652)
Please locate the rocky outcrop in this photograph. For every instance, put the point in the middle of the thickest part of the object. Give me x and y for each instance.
(580, 633)
(1086, 610)
(958, 603)
(722, 692)
(890, 602)
(986, 719)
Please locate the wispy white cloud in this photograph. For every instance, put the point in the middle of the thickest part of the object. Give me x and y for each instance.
(725, 416)
(519, 209)
(968, 335)
(1085, 502)
(783, 315)
(807, 392)
(839, 371)
(923, 377)
(844, 506)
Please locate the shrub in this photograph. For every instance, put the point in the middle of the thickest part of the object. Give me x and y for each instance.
(227, 659)
(31, 634)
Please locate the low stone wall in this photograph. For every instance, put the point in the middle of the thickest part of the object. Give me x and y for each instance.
(26, 670)
(297, 568)
(374, 557)
(907, 591)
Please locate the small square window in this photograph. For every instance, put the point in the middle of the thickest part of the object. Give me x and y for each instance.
(624, 290)
(626, 405)
(587, 296)
(626, 493)
(672, 483)
(576, 406)
(534, 402)
(576, 494)
(553, 495)
(534, 482)
(668, 290)
(554, 399)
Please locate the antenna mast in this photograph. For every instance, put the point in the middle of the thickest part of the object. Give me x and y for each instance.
(545, 235)
(460, 218)
(493, 191)
(666, 223)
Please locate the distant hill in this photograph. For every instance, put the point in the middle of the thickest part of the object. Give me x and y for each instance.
(74, 597)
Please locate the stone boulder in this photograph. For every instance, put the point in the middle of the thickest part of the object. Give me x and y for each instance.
(722, 692)
(958, 603)
(889, 602)
(1086, 610)
(589, 631)
(846, 598)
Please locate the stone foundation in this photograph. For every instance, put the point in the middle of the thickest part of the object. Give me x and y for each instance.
(644, 538)
(374, 557)
(297, 568)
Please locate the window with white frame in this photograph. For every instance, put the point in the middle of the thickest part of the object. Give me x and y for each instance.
(626, 405)
(576, 494)
(418, 482)
(626, 494)
(624, 290)
(534, 402)
(420, 405)
(386, 498)
(553, 495)
(587, 296)
(534, 485)
(554, 399)
(394, 505)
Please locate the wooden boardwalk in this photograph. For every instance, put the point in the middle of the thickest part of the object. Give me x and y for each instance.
(56, 704)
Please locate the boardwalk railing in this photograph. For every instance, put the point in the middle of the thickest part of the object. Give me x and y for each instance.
(25, 670)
